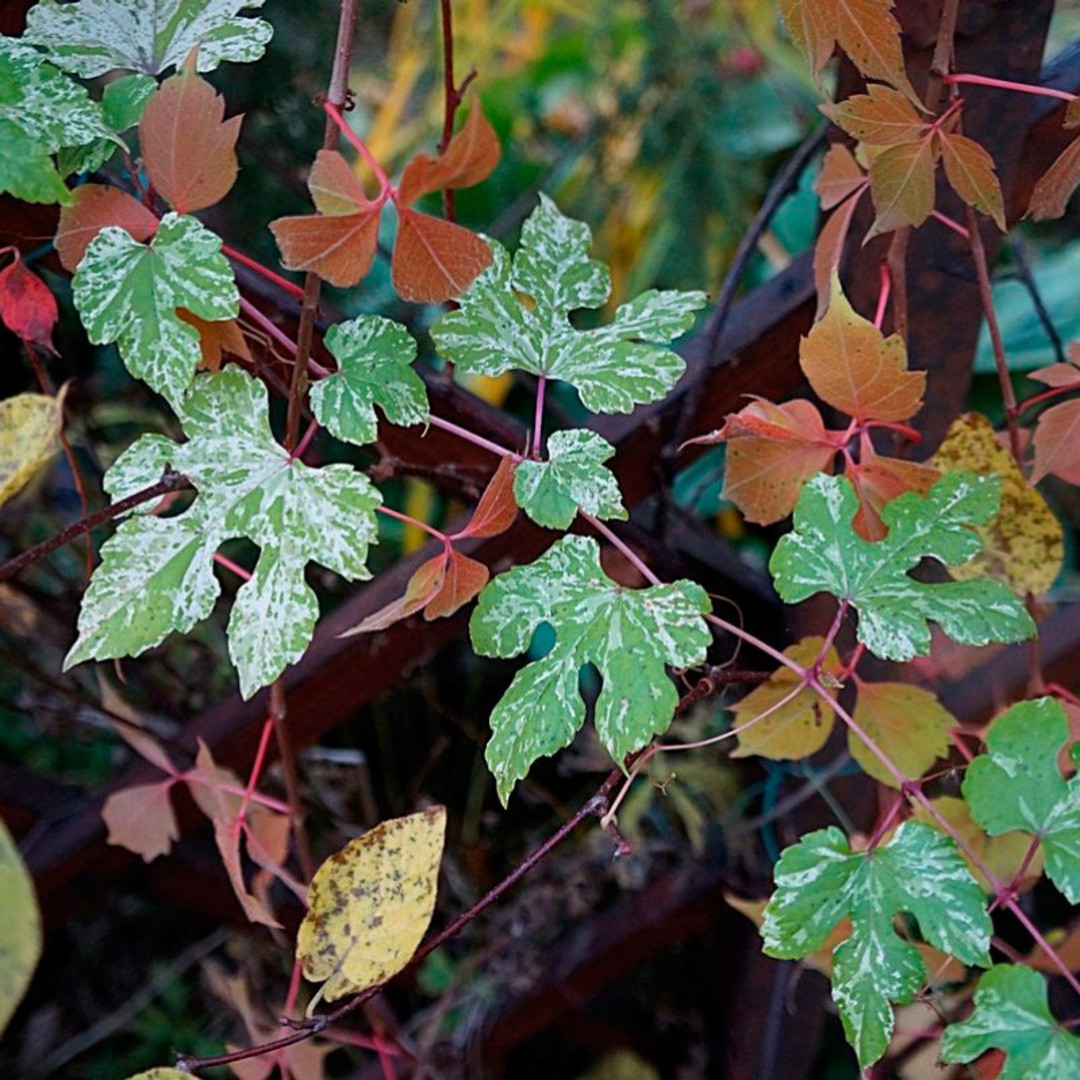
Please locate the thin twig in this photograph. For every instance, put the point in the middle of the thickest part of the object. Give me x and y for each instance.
(279, 714)
(1027, 279)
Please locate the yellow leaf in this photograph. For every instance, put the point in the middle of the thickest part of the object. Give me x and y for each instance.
(20, 927)
(1023, 546)
(797, 729)
(29, 436)
(162, 1072)
(370, 905)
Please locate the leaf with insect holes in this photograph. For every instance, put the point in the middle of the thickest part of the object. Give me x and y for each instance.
(29, 436)
(188, 147)
(880, 117)
(902, 186)
(20, 928)
(470, 157)
(628, 635)
(1017, 784)
(1055, 187)
(793, 730)
(128, 292)
(865, 29)
(156, 573)
(970, 171)
(93, 207)
(613, 367)
(820, 880)
(374, 358)
(370, 905)
(1023, 545)
(1012, 1015)
(27, 305)
(852, 366)
(1056, 440)
(96, 36)
(338, 243)
(572, 478)
(823, 553)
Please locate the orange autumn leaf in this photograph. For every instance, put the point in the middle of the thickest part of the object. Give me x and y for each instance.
(829, 247)
(435, 260)
(970, 171)
(881, 117)
(853, 367)
(188, 147)
(1057, 443)
(841, 175)
(92, 208)
(470, 158)
(497, 508)
(877, 481)
(462, 580)
(1052, 192)
(902, 186)
(142, 819)
(216, 338)
(338, 243)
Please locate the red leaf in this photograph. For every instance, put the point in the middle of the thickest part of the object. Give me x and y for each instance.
(27, 305)
(188, 148)
(463, 579)
(496, 510)
(216, 338)
(1052, 192)
(471, 157)
(141, 819)
(94, 206)
(435, 260)
(1057, 443)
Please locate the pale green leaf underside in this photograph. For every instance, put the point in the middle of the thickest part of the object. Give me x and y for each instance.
(628, 635)
(1017, 784)
(128, 292)
(156, 573)
(613, 367)
(820, 880)
(1011, 1014)
(572, 478)
(96, 36)
(823, 553)
(374, 357)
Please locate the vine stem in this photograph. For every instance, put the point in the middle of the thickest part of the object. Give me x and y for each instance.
(279, 714)
(1047, 395)
(170, 481)
(337, 123)
(415, 522)
(263, 271)
(537, 446)
(960, 78)
(452, 96)
(472, 437)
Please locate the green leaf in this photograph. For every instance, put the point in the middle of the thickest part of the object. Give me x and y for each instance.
(820, 880)
(574, 477)
(613, 367)
(374, 357)
(96, 36)
(156, 573)
(128, 292)
(122, 105)
(1012, 1015)
(628, 635)
(26, 168)
(823, 553)
(1017, 784)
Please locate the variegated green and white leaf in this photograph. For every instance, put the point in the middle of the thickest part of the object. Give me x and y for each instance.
(374, 358)
(573, 477)
(823, 553)
(1017, 784)
(27, 170)
(156, 573)
(96, 36)
(820, 881)
(128, 292)
(122, 105)
(613, 367)
(628, 635)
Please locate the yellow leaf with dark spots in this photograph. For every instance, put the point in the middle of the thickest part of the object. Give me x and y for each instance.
(29, 436)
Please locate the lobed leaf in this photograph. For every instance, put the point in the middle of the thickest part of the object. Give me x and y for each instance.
(880, 117)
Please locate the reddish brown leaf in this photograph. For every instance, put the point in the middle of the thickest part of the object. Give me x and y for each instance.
(841, 175)
(422, 587)
(1057, 443)
(27, 305)
(471, 157)
(1052, 192)
(970, 171)
(463, 579)
(496, 510)
(435, 260)
(852, 366)
(877, 481)
(188, 148)
(334, 186)
(881, 117)
(216, 338)
(141, 819)
(772, 450)
(1072, 115)
(1057, 375)
(93, 206)
(902, 186)
(829, 249)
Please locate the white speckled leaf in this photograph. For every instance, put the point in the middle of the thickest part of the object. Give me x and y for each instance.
(128, 292)
(1017, 784)
(613, 367)
(1012, 1014)
(573, 477)
(374, 357)
(820, 880)
(628, 635)
(823, 553)
(96, 36)
(156, 573)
